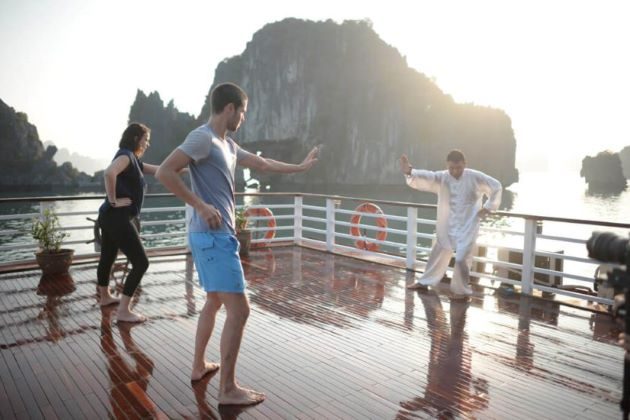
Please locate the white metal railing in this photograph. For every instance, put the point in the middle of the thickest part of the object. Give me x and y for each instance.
(402, 245)
(527, 259)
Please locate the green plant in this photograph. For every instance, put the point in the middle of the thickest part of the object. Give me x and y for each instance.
(241, 219)
(46, 230)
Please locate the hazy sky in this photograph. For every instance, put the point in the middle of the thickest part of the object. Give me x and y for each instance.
(558, 68)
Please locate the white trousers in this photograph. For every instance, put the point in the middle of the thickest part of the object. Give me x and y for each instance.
(438, 264)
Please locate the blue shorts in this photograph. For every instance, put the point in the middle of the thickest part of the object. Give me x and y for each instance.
(217, 261)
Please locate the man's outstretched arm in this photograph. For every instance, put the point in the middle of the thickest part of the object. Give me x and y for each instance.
(419, 179)
(405, 166)
(259, 163)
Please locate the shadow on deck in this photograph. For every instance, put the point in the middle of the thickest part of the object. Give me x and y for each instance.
(328, 337)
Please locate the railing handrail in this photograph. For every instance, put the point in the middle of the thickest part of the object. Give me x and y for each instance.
(524, 216)
(47, 198)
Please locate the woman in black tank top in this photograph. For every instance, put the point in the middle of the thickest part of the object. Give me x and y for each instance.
(118, 216)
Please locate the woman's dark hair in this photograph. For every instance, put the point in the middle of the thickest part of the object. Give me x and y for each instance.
(132, 135)
(227, 93)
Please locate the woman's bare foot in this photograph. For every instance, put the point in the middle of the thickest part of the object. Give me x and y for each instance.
(108, 300)
(125, 314)
(130, 317)
(105, 298)
(199, 372)
(241, 396)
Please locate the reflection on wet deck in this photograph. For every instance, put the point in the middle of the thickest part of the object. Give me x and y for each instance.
(328, 337)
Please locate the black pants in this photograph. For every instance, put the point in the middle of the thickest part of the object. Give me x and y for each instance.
(118, 232)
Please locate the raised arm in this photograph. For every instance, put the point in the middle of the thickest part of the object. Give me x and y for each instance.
(259, 163)
(149, 169)
(419, 179)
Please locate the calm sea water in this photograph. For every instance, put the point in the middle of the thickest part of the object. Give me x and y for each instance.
(559, 194)
(564, 194)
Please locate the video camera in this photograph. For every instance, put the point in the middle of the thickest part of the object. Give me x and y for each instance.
(608, 247)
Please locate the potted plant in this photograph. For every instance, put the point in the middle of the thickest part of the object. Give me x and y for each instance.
(243, 234)
(52, 259)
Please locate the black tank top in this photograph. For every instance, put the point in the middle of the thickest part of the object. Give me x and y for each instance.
(129, 183)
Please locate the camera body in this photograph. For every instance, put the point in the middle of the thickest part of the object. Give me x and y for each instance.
(611, 248)
(608, 247)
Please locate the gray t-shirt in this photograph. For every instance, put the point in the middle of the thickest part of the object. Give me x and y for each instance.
(212, 175)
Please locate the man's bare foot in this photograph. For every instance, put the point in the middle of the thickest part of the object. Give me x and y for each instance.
(418, 286)
(108, 300)
(130, 317)
(199, 373)
(241, 396)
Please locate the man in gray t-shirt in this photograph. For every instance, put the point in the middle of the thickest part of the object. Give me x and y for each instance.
(211, 157)
(212, 174)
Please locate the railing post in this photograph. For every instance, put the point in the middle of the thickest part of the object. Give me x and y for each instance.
(529, 252)
(297, 220)
(412, 236)
(330, 224)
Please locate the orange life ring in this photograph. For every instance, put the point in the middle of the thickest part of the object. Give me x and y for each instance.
(355, 231)
(271, 223)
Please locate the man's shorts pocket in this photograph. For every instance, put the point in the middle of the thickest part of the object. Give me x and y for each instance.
(217, 262)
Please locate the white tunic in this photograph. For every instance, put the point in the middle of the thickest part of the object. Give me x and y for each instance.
(459, 201)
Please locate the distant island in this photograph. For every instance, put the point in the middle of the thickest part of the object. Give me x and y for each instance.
(26, 163)
(604, 173)
(82, 163)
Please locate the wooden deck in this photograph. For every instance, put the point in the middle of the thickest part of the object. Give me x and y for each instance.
(328, 337)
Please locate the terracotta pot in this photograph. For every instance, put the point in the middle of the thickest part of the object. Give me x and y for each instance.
(55, 262)
(55, 285)
(245, 239)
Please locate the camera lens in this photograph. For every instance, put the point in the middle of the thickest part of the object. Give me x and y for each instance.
(607, 247)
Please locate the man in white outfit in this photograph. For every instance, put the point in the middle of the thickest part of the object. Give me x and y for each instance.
(460, 191)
